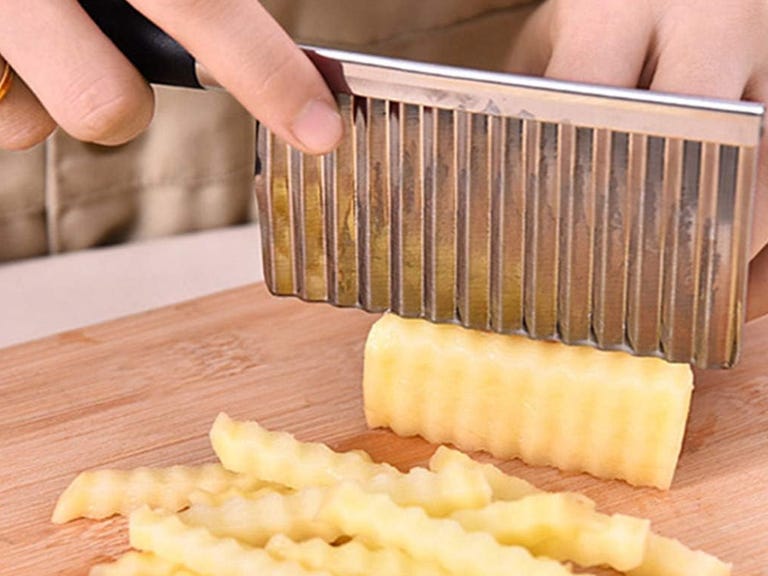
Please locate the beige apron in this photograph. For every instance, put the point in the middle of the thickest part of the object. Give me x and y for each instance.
(193, 168)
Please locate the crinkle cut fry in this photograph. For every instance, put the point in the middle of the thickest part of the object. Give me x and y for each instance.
(165, 535)
(279, 457)
(503, 486)
(663, 556)
(352, 558)
(218, 498)
(99, 494)
(438, 493)
(563, 526)
(249, 448)
(379, 521)
(669, 557)
(134, 563)
(255, 520)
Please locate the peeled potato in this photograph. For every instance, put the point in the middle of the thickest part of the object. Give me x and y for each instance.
(611, 414)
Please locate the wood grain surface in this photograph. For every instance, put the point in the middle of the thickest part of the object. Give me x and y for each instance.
(144, 390)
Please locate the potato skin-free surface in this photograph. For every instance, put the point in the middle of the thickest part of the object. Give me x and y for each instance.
(576, 408)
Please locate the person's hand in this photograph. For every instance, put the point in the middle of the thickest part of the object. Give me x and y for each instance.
(706, 48)
(68, 73)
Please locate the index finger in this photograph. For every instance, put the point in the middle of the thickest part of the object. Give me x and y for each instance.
(249, 54)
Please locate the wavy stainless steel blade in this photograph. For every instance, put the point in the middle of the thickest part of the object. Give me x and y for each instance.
(592, 215)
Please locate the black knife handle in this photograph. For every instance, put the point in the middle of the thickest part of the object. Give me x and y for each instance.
(159, 58)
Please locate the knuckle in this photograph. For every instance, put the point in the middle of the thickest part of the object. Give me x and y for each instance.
(275, 78)
(277, 69)
(103, 110)
(25, 130)
(24, 137)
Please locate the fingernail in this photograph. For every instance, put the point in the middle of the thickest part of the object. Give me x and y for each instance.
(318, 127)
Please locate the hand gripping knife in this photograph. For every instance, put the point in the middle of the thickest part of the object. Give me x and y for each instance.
(592, 215)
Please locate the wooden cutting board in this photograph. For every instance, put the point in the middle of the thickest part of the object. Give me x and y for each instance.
(144, 390)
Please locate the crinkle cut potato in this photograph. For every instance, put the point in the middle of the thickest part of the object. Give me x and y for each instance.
(576, 408)
(315, 511)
